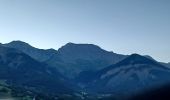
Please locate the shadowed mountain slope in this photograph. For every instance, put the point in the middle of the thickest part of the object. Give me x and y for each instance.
(20, 70)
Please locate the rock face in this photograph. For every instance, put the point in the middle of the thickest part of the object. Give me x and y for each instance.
(133, 74)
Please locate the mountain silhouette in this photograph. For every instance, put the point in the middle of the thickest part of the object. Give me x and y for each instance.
(81, 71)
(38, 54)
(70, 59)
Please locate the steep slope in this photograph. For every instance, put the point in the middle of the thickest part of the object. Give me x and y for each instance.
(20, 70)
(133, 74)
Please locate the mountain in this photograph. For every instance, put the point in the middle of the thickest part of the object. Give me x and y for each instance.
(133, 74)
(77, 72)
(38, 54)
(20, 70)
(71, 59)
(83, 57)
(72, 53)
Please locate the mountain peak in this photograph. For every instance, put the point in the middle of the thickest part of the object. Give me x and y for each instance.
(81, 49)
(88, 50)
(137, 59)
(81, 45)
(70, 43)
(38, 54)
(135, 55)
(18, 43)
(87, 54)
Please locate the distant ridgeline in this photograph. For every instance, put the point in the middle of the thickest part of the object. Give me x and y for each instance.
(78, 72)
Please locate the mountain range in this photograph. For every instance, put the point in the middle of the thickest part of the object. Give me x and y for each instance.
(74, 57)
(82, 71)
(20, 70)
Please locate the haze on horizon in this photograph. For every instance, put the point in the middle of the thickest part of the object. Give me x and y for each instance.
(121, 26)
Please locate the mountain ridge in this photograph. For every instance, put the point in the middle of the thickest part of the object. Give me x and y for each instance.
(26, 72)
(79, 70)
(75, 57)
(36, 53)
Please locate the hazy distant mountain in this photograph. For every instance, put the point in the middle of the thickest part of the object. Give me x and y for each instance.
(20, 70)
(134, 73)
(71, 59)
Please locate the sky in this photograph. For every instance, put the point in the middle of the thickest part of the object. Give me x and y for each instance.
(121, 26)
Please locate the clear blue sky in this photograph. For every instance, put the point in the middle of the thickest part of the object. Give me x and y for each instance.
(121, 26)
